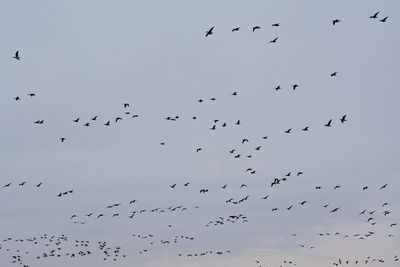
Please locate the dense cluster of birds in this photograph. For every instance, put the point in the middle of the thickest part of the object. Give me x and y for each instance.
(46, 246)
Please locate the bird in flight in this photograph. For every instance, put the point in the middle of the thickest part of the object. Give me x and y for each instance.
(334, 74)
(236, 29)
(305, 129)
(62, 139)
(374, 16)
(210, 31)
(16, 56)
(384, 19)
(329, 123)
(294, 86)
(288, 130)
(256, 28)
(335, 21)
(343, 119)
(275, 25)
(274, 41)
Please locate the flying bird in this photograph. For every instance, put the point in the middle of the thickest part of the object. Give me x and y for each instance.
(274, 40)
(210, 31)
(256, 28)
(384, 19)
(374, 16)
(16, 56)
(236, 29)
(335, 21)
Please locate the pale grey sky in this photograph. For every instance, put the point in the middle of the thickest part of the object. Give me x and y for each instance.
(85, 59)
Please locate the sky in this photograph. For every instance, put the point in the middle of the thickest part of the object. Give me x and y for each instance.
(86, 59)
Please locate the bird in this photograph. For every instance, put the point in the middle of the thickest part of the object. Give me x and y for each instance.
(107, 123)
(288, 130)
(256, 28)
(384, 19)
(87, 124)
(374, 16)
(31, 95)
(186, 184)
(334, 74)
(198, 149)
(94, 118)
(335, 21)
(244, 140)
(234, 93)
(277, 88)
(39, 184)
(21, 184)
(238, 122)
(275, 25)
(383, 186)
(236, 29)
(125, 105)
(172, 186)
(17, 98)
(274, 40)
(294, 86)
(210, 31)
(343, 119)
(7, 185)
(118, 119)
(76, 120)
(62, 139)
(305, 129)
(16, 56)
(329, 123)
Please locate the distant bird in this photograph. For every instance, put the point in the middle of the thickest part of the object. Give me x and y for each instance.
(275, 25)
(365, 188)
(384, 19)
(132, 201)
(210, 31)
(223, 187)
(305, 129)
(31, 95)
(238, 122)
(76, 120)
(186, 184)
(172, 186)
(16, 56)
(343, 119)
(334, 210)
(265, 197)
(234, 93)
(236, 29)
(21, 184)
(383, 186)
(7, 185)
(17, 98)
(38, 185)
(334, 74)
(198, 149)
(126, 105)
(288, 130)
(62, 139)
(329, 123)
(277, 88)
(94, 118)
(336, 187)
(107, 123)
(299, 173)
(264, 137)
(335, 21)
(87, 124)
(256, 28)
(244, 140)
(274, 40)
(374, 16)
(294, 86)
(118, 119)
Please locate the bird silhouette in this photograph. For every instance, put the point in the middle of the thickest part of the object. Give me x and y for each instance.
(210, 31)
(374, 16)
(236, 29)
(256, 28)
(384, 19)
(16, 56)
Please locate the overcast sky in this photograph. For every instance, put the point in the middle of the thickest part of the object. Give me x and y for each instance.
(83, 59)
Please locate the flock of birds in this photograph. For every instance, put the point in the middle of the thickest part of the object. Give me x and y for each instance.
(52, 246)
